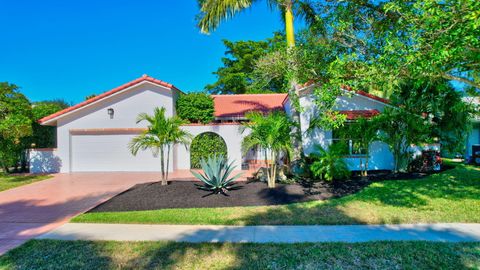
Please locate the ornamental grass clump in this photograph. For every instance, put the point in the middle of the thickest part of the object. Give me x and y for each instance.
(216, 175)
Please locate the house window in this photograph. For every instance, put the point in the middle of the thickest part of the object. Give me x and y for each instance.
(350, 145)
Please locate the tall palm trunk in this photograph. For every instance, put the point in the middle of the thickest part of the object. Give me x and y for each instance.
(273, 170)
(162, 161)
(292, 92)
(289, 30)
(168, 163)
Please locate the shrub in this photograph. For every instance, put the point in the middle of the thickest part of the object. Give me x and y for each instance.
(329, 164)
(205, 145)
(216, 175)
(399, 129)
(44, 136)
(196, 108)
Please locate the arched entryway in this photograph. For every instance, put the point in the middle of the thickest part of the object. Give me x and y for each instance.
(204, 145)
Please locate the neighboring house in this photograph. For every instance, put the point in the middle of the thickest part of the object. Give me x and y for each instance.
(93, 136)
(473, 138)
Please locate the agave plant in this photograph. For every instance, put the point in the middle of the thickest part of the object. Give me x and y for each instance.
(216, 175)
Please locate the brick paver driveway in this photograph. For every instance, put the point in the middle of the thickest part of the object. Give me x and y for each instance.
(31, 210)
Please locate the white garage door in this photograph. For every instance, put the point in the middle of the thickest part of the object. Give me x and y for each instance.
(104, 153)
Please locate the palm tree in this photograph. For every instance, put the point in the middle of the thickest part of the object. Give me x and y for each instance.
(161, 134)
(269, 133)
(213, 12)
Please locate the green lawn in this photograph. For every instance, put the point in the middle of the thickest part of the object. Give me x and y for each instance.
(50, 254)
(452, 196)
(12, 181)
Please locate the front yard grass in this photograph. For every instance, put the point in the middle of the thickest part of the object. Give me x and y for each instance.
(12, 181)
(451, 196)
(51, 254)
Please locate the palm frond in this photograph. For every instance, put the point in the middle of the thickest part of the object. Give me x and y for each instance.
(213, 12)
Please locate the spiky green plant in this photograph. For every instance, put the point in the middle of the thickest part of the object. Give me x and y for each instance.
(216, 175)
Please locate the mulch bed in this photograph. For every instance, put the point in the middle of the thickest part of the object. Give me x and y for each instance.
(154, 196)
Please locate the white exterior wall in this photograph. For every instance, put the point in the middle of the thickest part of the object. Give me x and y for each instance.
(230, 133)
(380, 156)
(44, 161)
(473, 139)
(141, 98)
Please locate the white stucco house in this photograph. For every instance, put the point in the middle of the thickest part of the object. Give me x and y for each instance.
(473, 138)
(92, 136)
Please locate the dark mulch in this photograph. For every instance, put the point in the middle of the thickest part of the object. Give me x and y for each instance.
(153, 196)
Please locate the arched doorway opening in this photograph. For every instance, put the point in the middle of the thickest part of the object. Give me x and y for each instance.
(204, 145)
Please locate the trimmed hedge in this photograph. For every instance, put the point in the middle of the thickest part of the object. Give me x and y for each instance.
(204, 145)
(196, 108)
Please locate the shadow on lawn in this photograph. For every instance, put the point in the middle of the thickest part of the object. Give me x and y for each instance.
(47, 254)
(459, 183)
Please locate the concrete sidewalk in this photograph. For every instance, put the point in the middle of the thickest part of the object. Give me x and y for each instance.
(455, 232)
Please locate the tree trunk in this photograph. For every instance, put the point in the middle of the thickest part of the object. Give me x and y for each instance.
(289, 30)
(296, 134)
(168, 164)
(162, 161)
(271, 183)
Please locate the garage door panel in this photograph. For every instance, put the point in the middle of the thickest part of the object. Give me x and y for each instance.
(101, 153)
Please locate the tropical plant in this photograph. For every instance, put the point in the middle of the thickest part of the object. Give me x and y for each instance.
(443, 105)
(161, 135)
(204, 145)
(212, 12)
(216, 175)
(329, 164)
(196, 108)
(271, 133)
(401, 129)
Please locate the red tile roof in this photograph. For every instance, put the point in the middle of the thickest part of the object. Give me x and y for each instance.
(238, 105)
(108, 93)
(355, 114)
(347, 88)
(365, 94)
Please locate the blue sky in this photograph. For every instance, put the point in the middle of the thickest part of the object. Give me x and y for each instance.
(71, 49)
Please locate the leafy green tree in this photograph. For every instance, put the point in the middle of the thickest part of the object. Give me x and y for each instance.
(401, 129)
(15, 124)
(270, 133)
(160, 136)
(236, 76)
(196, 108)
(450, 117)
(379, 45)
(44, 136)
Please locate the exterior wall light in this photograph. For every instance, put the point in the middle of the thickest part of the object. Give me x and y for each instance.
(111, 112)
